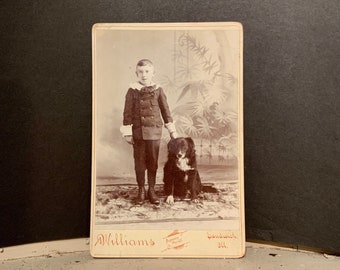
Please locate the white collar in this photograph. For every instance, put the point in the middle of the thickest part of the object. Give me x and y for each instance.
(139, 86)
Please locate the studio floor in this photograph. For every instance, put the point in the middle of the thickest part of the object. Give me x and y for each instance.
(74, 254)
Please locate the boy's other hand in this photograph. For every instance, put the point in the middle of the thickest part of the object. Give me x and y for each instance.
(128, 139)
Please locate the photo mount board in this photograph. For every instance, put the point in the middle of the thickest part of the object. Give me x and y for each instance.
(200, 68)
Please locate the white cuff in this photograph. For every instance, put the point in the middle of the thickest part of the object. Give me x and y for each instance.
(170, 127)
(126, 130)
(172, 130)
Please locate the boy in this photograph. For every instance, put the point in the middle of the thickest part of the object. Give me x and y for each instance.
(145, 106)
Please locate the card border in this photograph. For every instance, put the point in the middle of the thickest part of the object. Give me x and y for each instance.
(174, 26)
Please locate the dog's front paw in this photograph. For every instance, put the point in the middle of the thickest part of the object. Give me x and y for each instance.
(170, 200)
(195, 200)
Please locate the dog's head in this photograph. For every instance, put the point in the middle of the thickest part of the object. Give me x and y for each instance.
(183, 151)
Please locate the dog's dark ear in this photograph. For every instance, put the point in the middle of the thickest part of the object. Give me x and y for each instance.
(191, 153)
(190, 142)
(171, 147)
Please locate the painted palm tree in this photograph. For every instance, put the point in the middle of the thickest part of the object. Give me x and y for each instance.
(203, 87)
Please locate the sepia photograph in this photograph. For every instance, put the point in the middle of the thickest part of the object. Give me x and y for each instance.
(167, 136)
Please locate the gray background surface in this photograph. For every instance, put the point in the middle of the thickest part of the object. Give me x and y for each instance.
(291, 114)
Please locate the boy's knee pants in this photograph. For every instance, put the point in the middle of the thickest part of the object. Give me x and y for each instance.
(145, 153)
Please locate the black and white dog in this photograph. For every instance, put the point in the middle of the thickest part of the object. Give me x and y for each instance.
(180, 170)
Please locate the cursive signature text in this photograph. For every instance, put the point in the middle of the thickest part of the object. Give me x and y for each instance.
(118, 239)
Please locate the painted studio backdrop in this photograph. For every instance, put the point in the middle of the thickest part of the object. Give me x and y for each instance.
(198, 71)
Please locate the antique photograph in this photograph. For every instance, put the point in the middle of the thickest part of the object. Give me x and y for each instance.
(167, 129)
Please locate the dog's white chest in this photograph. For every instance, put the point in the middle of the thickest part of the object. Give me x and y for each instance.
(182, 164)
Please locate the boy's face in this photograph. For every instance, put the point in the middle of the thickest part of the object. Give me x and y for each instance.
(145, 74)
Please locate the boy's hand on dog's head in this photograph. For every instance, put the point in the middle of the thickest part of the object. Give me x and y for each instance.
(173, 135)
(128, 139)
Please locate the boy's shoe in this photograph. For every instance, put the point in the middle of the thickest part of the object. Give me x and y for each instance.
(152, 196)
(141, 196)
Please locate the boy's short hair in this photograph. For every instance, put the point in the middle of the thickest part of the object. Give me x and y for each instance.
(144, 62)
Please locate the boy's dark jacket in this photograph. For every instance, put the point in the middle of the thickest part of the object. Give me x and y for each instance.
(144, 109)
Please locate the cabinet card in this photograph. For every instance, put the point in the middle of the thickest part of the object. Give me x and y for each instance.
(167, 156)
